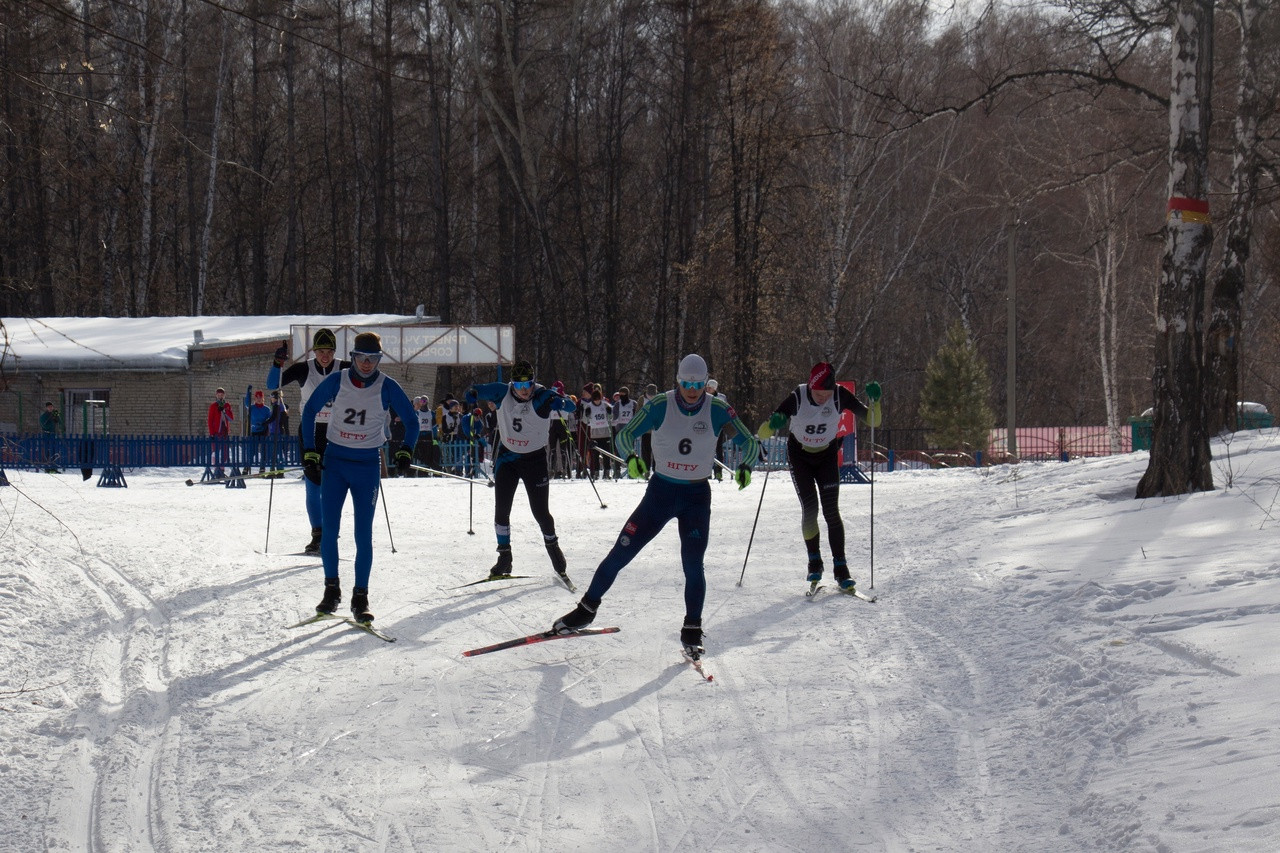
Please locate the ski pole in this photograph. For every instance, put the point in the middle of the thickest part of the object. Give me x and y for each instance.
(873, 394)
(265, 475)
(471, 504)
(271, 497)
(440, 473)
(387, 514)
(754, 523)
(591, 479)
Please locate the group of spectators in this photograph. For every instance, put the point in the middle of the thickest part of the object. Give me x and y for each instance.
(456, 438)
(268, 428)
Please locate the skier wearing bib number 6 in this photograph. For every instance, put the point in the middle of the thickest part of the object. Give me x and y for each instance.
(352, 462)
(813, 411)
(684, 422)
(525, 410)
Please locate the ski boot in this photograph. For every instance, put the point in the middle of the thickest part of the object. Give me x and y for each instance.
(559, 563)
(815, 571)
(577, 618)
(332, 595)
(502, 568)
(691, 639)
(360, 605)
(313, 547)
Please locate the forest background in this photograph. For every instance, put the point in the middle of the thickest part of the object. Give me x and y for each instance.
(766, 183)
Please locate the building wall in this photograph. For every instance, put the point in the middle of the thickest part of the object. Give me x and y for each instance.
(167, 403)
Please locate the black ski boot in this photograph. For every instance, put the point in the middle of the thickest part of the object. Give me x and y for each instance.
(313, 547)
(558, 562)
(502, 568)
(577, 618)
(332, 596)
(815, 570)
(691, 638)
(360, 605)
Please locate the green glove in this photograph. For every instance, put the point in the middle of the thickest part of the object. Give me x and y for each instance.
(873, 391)
(636, 469)
(776, 422)
(742, 477)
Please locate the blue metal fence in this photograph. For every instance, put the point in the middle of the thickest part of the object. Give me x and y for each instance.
(40, 452)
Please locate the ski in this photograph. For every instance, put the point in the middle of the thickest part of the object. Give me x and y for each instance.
(696, 663)
(367, 627)
(311, 620)
(537, 638)
(489, 579)
(853, 592)
(564, 579)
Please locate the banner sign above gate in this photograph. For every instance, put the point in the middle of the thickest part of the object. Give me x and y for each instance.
(452, 345)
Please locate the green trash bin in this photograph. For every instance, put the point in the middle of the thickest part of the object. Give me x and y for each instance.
(1254, 416)
(1140, 431)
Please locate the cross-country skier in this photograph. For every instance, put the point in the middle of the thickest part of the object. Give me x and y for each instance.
(685, 423)
(525, 410)
(358, 397)
(813, 410)
(308, 374)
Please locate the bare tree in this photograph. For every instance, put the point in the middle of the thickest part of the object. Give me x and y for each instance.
(1180, 438)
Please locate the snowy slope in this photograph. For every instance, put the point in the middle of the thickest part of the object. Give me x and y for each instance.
(1051, 666)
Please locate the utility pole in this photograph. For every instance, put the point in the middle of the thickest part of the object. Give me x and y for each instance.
(1011, 344)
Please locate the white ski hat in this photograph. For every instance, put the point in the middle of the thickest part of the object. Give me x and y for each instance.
(692, 369)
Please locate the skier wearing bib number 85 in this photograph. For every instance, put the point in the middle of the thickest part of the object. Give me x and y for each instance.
(352, 462)
(524, 423)
(684, 422)
(813, 411)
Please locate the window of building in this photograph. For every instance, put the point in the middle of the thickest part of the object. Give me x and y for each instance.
(86, 411)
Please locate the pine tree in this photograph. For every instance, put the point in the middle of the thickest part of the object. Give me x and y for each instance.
(956, 390)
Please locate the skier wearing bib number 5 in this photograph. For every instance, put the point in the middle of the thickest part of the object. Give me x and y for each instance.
(525, 410)
(813, 411)
(352, 462)
(684, 423)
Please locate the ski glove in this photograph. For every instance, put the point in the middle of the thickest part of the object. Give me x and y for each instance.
(636, 469)
(403, 458)
(742, 477)
(311, 466)
(776, 421)
(282, 355)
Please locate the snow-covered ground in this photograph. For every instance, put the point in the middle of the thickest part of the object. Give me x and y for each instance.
(1051, 665)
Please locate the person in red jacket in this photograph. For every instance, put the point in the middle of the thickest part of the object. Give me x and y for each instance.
(220, 418)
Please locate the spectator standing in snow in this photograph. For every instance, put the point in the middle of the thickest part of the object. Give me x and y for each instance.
(50, 423)
(219, 423)
(259, 416)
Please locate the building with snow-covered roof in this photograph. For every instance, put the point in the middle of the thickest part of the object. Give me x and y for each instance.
(157, 375)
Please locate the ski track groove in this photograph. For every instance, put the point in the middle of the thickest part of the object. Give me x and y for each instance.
(127, 731)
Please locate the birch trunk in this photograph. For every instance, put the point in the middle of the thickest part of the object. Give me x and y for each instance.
(1222, 341)
(1180, 440)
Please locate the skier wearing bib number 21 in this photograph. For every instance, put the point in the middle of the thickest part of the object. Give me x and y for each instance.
(685, 423)
(352, 462)
(524, 423)
(813, 410)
